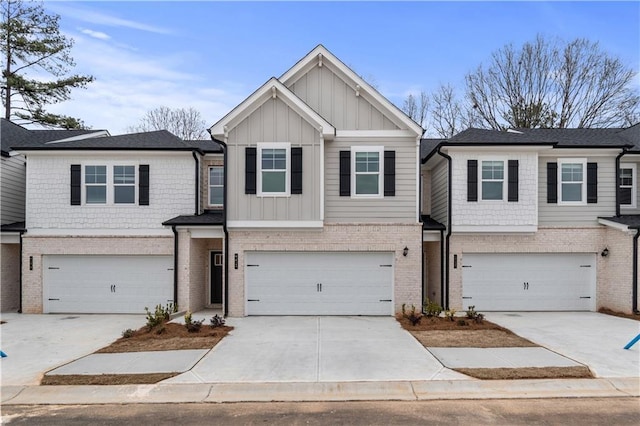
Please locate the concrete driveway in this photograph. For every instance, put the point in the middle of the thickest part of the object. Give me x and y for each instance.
(316, 349)
(35, 344)
(590, 338)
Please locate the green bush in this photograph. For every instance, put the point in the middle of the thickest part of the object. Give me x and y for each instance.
(413, 316)
(473, 315)
(127, 333)
(216, 321)
(450, 314)
(191, 325)
(161, 315)
(432, 309)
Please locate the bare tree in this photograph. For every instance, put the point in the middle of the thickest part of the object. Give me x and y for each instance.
(417, 108)
(187, 124)
(553, 84)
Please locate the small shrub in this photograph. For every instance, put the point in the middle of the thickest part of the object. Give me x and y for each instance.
(161, 315)
(432, 309)
(191, 325)
(473, 315)
(462, 322)
(413, 316)
(450, 314)
(161, 329)
(216, 321)
(127, 333)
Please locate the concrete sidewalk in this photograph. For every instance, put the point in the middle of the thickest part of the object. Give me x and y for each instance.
(329, 391)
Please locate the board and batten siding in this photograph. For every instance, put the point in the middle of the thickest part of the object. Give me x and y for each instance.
(400, 208)
(336, 101)
(583, 215)
(439, 193)
(274, 121)
(12, 177)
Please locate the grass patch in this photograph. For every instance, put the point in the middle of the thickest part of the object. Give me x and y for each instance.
(578, 372)
(105, 379)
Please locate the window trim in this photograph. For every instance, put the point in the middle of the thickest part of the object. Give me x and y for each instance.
(110, 184)
(583, 192)
(378, 149)
(634, 185)
(504, 180)
(209, 185)
(287, 178)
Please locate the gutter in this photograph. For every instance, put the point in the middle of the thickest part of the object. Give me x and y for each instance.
(634, 283)
(175, 267)
(224, 225)
(197, 182)
(444, 279)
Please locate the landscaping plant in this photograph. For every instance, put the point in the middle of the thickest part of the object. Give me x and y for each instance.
(191, 325)
(413, 316)
(216, 321)
(431, 308)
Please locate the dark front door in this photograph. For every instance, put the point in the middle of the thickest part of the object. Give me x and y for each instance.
(215, 269)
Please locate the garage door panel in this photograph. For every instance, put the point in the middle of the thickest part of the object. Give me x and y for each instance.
(318, 283)
(106, 284)
(532, 282)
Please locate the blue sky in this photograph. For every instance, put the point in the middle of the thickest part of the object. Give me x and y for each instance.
(211, 55)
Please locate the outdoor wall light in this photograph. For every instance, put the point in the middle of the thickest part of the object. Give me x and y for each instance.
(605, 252)
(405, 251)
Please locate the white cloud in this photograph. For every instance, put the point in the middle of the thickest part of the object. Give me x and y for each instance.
(95, 34)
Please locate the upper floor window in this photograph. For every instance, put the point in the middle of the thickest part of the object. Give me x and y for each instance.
(274, 172)
(95, 181)
(216, 185)
(572, 184)
(109, 185)
(628, 186)
(124, 184)
(367, 169)
(492, 180)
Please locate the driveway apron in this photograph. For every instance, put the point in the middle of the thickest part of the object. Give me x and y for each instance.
(316, 349)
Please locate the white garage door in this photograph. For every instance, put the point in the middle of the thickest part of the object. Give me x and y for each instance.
(106, 284)
(319, 283)
(529, 282)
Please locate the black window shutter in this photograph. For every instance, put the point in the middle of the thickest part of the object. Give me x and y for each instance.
(472, 180)
(76, 184)
(389, 173)
(296, 170)
(513, 180)
(250, 156)
(345, 173)
(592, 183)
(552, 183)
(143, 185)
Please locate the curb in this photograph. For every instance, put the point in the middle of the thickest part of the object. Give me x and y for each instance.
(320, 391)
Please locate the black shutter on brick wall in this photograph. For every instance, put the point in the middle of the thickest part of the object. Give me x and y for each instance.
(472, 180)
(552, 183)
(389, 173)
(592, 183)
(250, 157)
(296, 170)
(512, 189)
(345, 173)
(143, 185)
(76, 184)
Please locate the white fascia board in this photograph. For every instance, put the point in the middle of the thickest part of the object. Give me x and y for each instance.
(619, 226)
(506, 149)
(398, 133)
(430, 235)
(104, 154)
(203, 232)
(271, 88)
(277, 224)
(95, 232)
(10, 238)
(98, 134)
(13, 153)
(494, 229)
(313, 59)
(582, 152)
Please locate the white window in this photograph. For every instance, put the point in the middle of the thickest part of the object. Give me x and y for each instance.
(274, 169)
(367, 171)
(572, 183)
(95, 181)
(492, 178)
(628, 185)
(216, 185)
(124, 184)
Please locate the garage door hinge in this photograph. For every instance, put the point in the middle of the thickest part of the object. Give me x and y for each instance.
(169, 269)
(467, 297)
(386, 300)
(585, 297)
(54, 299)
(466, 266)
(253, 265)
(585, 266)
(253, 300)
(53, 267)
(386, 266)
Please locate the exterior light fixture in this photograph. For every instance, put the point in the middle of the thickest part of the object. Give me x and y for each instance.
(605, 252)
(405, 251)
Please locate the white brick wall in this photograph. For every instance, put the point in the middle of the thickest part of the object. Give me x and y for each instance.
(335, 237)
(171, 192)
(494, 212)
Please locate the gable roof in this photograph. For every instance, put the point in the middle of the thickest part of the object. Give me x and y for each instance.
(271, 89)
(13, 135)
(321, 54)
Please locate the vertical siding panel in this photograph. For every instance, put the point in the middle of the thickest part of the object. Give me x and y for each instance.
(339, 102)
(327, 93)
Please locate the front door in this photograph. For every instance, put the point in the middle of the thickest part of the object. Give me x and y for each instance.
(215, 262)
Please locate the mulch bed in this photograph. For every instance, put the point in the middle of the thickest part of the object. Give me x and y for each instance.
(105, 379)
(580, 372)
(619, 314)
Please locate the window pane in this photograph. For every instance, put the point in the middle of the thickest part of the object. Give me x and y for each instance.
(124, 175)
(273, 181)
(367, 162)
(215, 195)
(626, 177)
(367, 184)
(571, 192)
(274, 159)
(216, 176)
(625, 196)
(492, 190)
(572, 172)
(95, 174)
(96, 194)
(492, 170)
(124, 194)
